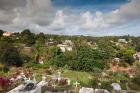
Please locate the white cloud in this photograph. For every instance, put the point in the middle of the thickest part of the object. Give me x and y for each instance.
(40, 15)
(127, 13)
(32, 11)
(59, 21)
(131, 10)
(87, 20)
(90, 22)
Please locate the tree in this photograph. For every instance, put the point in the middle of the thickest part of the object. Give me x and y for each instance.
(27, 37)
(137, 48)
(128, 56)
(41, 37)
(7, 39)
(88, 59)
(58, 61)
(129, 59)
(9, 55)
(56, 57)
(25, 32)
(53, 51)
(1, 32)
(136, 79)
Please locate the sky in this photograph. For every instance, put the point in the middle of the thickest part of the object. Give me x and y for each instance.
(72, 17)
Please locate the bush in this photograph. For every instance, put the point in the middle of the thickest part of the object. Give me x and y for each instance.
(93, 83)
(5, 69)
(4, 83)
(35, 65)
(10, 55)
(88, 59)
(1, 67)
(106, 85)
(120, 76)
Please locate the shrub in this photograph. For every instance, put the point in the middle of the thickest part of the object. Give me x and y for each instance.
(5, 69)
(106, 85)
(4, 83)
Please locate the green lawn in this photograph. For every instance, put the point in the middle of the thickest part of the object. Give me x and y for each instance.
(77, 76)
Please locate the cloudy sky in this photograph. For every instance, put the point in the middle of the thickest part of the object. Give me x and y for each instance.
(72, 17)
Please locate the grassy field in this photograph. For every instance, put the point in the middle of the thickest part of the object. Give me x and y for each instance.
(82, 77)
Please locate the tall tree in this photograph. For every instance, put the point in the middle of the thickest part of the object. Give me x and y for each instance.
(40, 38)
(9, 55)
(88, 59)
(27, 37)
(1, 32)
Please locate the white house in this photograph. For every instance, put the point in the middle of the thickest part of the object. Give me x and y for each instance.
(50, 42)
(7, 34)
(137, 56)
(116, 59)
(66, 46)
(122, 41)
(69, 48)
(68, 42)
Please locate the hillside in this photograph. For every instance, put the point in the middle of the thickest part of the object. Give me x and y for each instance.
(102, 59)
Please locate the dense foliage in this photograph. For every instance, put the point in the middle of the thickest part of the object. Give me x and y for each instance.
(88, 53)
(4, 83)
(9, 55)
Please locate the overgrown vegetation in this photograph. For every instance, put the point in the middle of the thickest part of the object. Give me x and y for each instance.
(88, 54)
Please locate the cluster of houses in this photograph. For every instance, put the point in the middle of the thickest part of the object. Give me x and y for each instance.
(120, 42)
(66, 45)
(137, 56)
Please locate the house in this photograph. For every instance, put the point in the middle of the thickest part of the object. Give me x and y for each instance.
(64, 48)
(89, 43)
(122, 41)
(112, 41)
(95, 46)
(116, 60)
(68, 42)
(50, 42)
(66, 45)
(7, 34)
(69, 48)
(137, 56)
